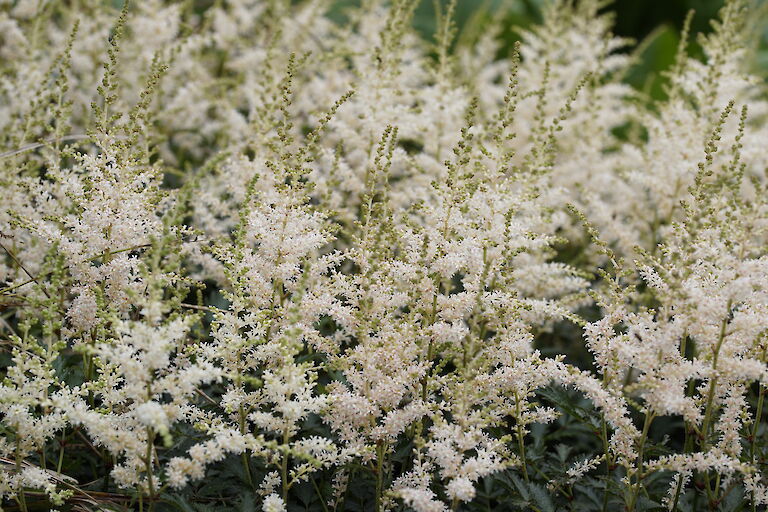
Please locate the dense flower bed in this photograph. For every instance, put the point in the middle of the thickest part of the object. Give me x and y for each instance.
(253, 258)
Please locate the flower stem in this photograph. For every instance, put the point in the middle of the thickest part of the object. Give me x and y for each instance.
(520, 437)
(148, 466)
(752, 448)
(641, 448)
(245, 454)
(380, 449)
(604, 436)
(284, 469)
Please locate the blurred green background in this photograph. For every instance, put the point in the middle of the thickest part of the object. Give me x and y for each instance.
(655, 24)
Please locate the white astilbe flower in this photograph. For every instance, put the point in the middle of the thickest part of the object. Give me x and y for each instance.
(422, 500)
(695, 354)
(273, 503)
(413, 488)
(146, 379)
(578, 470)
(447, 450)
(634, 197)
(221, 443)
(28, 395)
